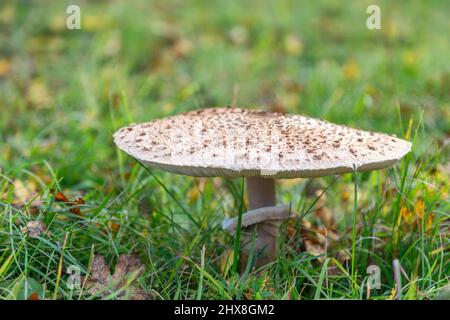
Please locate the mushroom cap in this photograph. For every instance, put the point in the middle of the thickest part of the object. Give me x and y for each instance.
(232, 142)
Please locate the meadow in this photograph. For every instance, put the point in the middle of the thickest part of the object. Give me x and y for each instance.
(74, 208)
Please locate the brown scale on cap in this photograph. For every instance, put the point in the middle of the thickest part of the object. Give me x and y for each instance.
(233, 142)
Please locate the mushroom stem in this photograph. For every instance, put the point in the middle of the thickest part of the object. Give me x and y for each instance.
(261, 194)
(265, 222)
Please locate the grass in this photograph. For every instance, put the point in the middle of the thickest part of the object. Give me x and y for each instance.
(63, 93)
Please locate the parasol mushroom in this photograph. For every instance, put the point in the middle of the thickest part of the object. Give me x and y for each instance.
(260, 146)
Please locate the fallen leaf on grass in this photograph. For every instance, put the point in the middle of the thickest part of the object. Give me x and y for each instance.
(74, 205)
(102, 284)
(319, 238)
(315, 249)
(249, 294)
(113, 226)
(25, 192)
(33, 296)
(326, 217)
(75, 209)
(34, 228)
(315, 244)
(60, 197)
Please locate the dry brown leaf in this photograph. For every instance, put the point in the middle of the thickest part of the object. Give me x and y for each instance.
(314, 249)
(127, 265)
(60, 197)
(113, 226)
(343, 256)
(318, 240)
(33, 296)
(326, 217)
(100, 270)
(34, 228)
(128, 268)
(318, 237)
(291, 231)
(313, 243)
(75, 209)
(24, 192)
(248, 294)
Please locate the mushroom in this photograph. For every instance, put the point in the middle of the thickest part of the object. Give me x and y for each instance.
(265, 222)
(260, 146)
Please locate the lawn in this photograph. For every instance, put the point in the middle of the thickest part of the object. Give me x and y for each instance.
(73, 207)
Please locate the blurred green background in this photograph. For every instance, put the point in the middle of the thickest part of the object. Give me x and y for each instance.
(64, 92)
